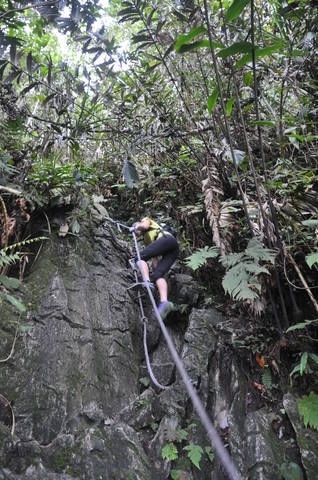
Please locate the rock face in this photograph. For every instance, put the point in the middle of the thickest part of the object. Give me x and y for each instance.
(83, 405)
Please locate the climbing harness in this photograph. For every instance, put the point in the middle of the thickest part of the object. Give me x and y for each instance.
(214, 437)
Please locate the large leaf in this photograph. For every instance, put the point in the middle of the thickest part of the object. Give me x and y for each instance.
(9, 282)
(291, 471)
(28, 88)
(298, 326)
(238, 47)
(16, 303)
(195, 453)
(229, 106)
(130, 174)
(312, 259)
(212, 99)
(235, 9)
(186, 38)
(188, 47)
(259, 52)
(303, 363)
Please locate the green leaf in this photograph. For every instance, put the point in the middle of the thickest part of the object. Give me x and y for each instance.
(311, 259)
(16, 303)
(25, 328)
(175, 474)
(291, 471)
(297, 326)
(9, 282)
(229, 106)
(186, 38)
(314, 357)
(144, 381)
(181, 435)
(154, 426)
(238, 47)
(248, 79)
(308, 409)
(209, 453)
(188, 47)
(259, 52)
(295, 370)
(169, 452)
(199, 258)
(195, 453)
(235, 9)
(212, 99)
(303, 363)
(130, 174)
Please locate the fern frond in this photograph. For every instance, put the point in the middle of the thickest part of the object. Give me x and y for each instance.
(254, 268)
(245, 292)
(14, 246)
(258, 252)
(232, 259)
(8, 259)
(240, 280)
(308, 409)
(234, 280)
(199, 258)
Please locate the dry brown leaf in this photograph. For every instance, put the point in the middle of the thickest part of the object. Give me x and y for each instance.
(260, 360)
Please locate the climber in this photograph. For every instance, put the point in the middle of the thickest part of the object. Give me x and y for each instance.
(158, 242)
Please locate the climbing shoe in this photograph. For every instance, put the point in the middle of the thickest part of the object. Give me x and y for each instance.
(164, 308)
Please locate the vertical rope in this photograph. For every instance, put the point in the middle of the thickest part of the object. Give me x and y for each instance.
(214, 437)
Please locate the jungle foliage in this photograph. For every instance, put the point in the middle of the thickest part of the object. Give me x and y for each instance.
(205, 111)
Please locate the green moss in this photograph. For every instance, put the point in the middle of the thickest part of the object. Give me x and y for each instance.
(62, 459)
(143, 403)
(75, 378)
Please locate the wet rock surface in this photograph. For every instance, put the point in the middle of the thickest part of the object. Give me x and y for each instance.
(307, 438)
(82, 399)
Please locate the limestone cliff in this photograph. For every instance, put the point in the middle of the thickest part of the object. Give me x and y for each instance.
(82, 411)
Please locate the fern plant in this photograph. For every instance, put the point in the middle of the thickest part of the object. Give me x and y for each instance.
(200, 257)
(308, 409)
(241, 279)
(7, 284)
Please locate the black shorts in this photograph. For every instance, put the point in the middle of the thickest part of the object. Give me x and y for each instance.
(167, 247)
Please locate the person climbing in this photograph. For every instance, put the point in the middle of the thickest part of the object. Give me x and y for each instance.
(158, 243)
